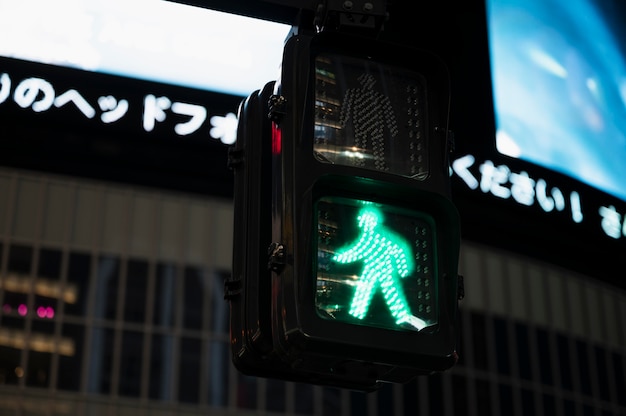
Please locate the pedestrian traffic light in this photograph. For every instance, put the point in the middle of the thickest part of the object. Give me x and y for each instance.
(351, 241)
(387, 249)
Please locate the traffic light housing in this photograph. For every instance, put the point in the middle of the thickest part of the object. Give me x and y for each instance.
(346, 240)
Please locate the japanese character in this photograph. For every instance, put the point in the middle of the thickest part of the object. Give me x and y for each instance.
(461, 167)
(113, 109)
(522, 188)
(611, 221)
(577, 213)
(548, 203)
(383, 253)
(78, 100)
(224, 128)
(154, 110)
(493, 178)
(28, 91)
(196, 112)
(5, 87)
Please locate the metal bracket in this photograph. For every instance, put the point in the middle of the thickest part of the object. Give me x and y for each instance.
(277, 104)
(235, 157)
(345, 15)
(276, 260)
(232, 289)
(460, 288)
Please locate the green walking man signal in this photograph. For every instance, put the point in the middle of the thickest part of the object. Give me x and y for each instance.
(382, 252)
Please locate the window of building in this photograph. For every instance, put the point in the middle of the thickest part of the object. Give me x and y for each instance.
(502, 348)
(479, 338)
(604, 389)
(78, 273)
(195, 290)
(71, 357)
(135, 291)
(10, 365)
(528, 402)
(131, 361)
(619, 375)
(459, 390)
(483, 397)
(544, 356)
(565, 362)
(100, 361)
(584, 372)
(106, 289)
(275, 395)
(188, 367)
(161, 370)
(524, 362)
(20, 259)
(435, 395)
(38, 368)
(506, 399)
(165, 295)
(49, 263)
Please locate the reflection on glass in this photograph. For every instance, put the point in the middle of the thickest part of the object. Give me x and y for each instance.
(370, 115)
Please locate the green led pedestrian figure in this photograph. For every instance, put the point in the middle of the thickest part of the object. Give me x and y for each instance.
(386, 257)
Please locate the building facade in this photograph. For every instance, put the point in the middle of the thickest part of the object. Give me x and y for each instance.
(113, 304)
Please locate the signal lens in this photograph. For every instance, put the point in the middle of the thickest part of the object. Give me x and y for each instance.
(375, 264)
(370, 115)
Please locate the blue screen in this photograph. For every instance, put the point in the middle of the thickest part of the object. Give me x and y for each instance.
(559, 81)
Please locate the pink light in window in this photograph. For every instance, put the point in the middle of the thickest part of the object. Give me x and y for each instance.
(6, 308)
(22, 309)
(45, 312)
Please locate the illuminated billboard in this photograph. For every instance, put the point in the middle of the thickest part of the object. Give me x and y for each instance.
(150, 87)
(559, 85)
(154, 40)
(539, 112)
